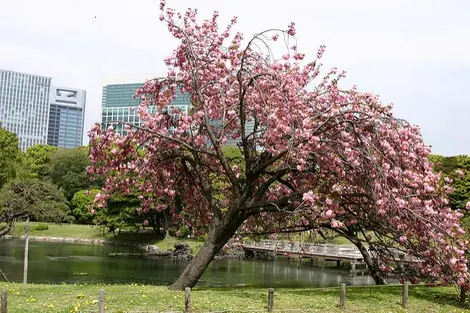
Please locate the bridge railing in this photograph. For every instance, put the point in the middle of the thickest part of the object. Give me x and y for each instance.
(326, 249)
(308, 248)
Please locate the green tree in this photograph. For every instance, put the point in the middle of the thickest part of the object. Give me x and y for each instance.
(68, 170)
(451, 167)
(121, 212)
(39, 200)
(9, 156)
(80, 205)
(37, 158)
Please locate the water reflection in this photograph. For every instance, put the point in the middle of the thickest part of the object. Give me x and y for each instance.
(71, 263)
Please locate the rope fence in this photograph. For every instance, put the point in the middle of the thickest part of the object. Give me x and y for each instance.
(105, 302)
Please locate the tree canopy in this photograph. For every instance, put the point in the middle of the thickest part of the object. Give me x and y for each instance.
(81, 204)
(455, 170)
(31, 198)
(37, 159)
(313, 154)
(68, 170)
(9, 155)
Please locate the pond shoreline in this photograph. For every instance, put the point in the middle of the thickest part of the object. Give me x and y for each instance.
(74, 240)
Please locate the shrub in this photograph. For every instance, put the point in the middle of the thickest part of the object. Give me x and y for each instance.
(68, 219)
(42, 227)
(184, 232)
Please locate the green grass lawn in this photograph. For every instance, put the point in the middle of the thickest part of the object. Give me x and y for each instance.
(62, 230)
(133, 298)
(95, 232)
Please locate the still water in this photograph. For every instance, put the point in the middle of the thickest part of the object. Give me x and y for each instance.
(57, 263)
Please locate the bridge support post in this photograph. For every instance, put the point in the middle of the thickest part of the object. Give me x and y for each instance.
(352, 272)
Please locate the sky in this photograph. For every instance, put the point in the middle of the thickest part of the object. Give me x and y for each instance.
(414, 54)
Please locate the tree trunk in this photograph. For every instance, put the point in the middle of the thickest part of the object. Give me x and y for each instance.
(9, 220)
(371, 264)
(166, 231)
(219, 234)
(6, 230)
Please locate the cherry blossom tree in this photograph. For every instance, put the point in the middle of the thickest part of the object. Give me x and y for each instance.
(313, 155)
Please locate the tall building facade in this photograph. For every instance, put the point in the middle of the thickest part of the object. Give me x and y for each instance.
(24, 106)
(66, 117)
(119, 105)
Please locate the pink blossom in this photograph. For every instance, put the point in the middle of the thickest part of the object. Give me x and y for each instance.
(291, 29)
(309, 197)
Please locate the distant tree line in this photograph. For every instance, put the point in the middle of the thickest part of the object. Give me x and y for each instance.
(48, 184)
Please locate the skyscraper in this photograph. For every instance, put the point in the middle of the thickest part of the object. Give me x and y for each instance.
(24, 106)
(66, 117)
(119, 104)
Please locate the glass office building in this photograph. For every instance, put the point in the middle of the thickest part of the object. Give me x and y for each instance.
(24, 106)
(66, 117)
(119, 105)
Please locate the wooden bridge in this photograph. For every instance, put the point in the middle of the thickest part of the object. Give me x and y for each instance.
(316, 252)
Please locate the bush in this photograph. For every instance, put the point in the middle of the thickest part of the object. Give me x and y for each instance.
(68, 219)
(172, 231)
(184, 232)
(42, 227)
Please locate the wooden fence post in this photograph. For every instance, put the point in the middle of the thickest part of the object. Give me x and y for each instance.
(187, 300)
(342, 295)
(404, 300)
(270, 299)
(101, 301)
(4, 301)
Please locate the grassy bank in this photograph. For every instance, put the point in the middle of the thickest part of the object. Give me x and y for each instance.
(95, 232)
(133, 298)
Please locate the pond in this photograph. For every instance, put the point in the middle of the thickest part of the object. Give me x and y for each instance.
(55, 263)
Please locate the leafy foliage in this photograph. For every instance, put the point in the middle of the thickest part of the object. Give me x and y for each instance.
(9, 155)
(121, 212)
(68, 170)
(42, 227)
(80, 205)
(39, 200)
(37, 159)
(456, 168)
